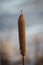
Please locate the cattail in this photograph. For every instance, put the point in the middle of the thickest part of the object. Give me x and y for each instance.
(22, 37)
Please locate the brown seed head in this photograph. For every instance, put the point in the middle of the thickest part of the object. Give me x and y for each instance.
(22, 37)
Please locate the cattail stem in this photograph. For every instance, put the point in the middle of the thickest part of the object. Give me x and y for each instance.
(23, 59)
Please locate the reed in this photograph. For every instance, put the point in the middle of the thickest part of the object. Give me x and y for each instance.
(22, 35)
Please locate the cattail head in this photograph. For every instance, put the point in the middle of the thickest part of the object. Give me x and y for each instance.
(22, 38)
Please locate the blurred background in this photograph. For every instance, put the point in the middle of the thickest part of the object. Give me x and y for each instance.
(9, 41)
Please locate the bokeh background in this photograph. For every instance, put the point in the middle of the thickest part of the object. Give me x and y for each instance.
(33, 15)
